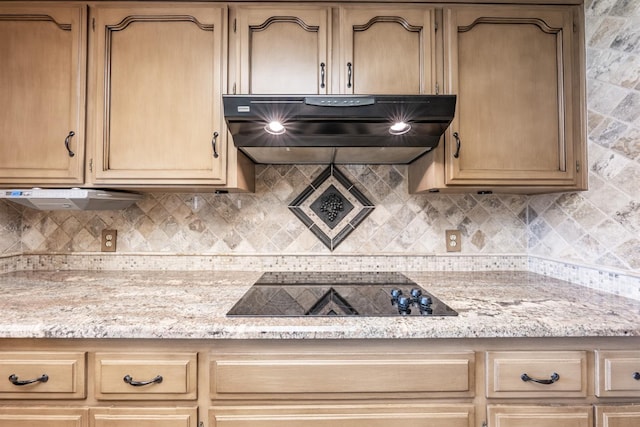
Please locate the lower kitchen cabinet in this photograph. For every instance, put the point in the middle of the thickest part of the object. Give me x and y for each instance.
(144, 417)
(539, 416)
(43, 417)
(521, 382)
(617, 416)
(406, 415)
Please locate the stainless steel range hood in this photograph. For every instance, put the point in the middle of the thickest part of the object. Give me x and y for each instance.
(49, 199)
(347, 129)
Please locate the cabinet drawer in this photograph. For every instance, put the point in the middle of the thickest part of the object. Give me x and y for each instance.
(146, 376)
(144, 417)
(618, 373)
(43, 417)
(307, 376)
(536, 374)
(540, 416)
(389, 415)
(42, 375)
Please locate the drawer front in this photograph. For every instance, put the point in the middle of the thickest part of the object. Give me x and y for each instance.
(617, 415)
(306, 377)
(406, 415)
(540, 416)
(144, 417)
(43, 417)
(42, 375)
(618, 373)
(146, 376)
(537, 374)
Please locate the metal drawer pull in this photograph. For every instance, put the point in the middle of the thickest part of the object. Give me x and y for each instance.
(127, 379)
(322, 75)
(349, 66)
(15, 381)
(554, 377)
(67, 140)
(457, 137)
(636, 376)
(213, 144)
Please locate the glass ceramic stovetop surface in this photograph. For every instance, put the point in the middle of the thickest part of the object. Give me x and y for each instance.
(337, 294)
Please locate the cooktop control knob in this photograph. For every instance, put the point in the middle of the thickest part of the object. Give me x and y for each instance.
(404, 305)
(395, 294)
(425, 305)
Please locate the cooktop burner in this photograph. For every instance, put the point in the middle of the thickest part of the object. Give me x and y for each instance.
(338, 294)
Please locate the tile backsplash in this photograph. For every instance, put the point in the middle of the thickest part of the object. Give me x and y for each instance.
(597, 227)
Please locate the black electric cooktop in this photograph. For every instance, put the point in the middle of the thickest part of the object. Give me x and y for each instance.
(338, 294)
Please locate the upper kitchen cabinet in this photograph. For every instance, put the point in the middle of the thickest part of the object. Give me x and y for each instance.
(42, 87)
(365, 49)
(158, 73)
(518, 72)
(386, 50)
(281, 50)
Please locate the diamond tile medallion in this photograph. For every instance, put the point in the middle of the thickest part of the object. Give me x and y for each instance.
(331, 207)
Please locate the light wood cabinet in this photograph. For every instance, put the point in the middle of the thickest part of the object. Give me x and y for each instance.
(42, 375)
(537, 374)
(144, 417)
(42, 88)
(146, 376)
(518, 73)
(344, 50)
(304, 376)
(156, 89)
(539, 416)
(617, 373)
(617, 416)
(390, 415)
(43, 417)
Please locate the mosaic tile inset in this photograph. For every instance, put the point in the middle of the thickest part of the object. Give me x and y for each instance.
(334, 214)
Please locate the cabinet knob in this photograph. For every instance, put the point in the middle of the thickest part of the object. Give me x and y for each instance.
(636, 376)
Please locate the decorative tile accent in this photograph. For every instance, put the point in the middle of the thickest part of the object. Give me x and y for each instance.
(333, 215)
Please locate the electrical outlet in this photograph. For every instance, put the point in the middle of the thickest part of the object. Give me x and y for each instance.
(109, 238)
(453, 240)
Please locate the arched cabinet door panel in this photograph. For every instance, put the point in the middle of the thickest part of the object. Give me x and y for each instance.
(42, 88)
(157, 95)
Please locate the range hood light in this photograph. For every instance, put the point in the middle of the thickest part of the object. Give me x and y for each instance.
(275, 128)
(399, 128)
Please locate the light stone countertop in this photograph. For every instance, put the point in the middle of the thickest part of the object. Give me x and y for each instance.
(193, 304)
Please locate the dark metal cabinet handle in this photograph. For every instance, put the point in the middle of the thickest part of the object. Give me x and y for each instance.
(322, 75)
(457, 137)
(127, 379)
(213, 144)
(349, 73)
(554, 377)
(67, 140)
(636, 376)
(15, 381)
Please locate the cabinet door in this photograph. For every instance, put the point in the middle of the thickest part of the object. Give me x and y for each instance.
(282, 50)
(41, 417)
(387, 51)
(516, 71)
(144, 417)
(406, 415)
(617, 416)
(539, 416)
(158, 81)
(42, 87)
